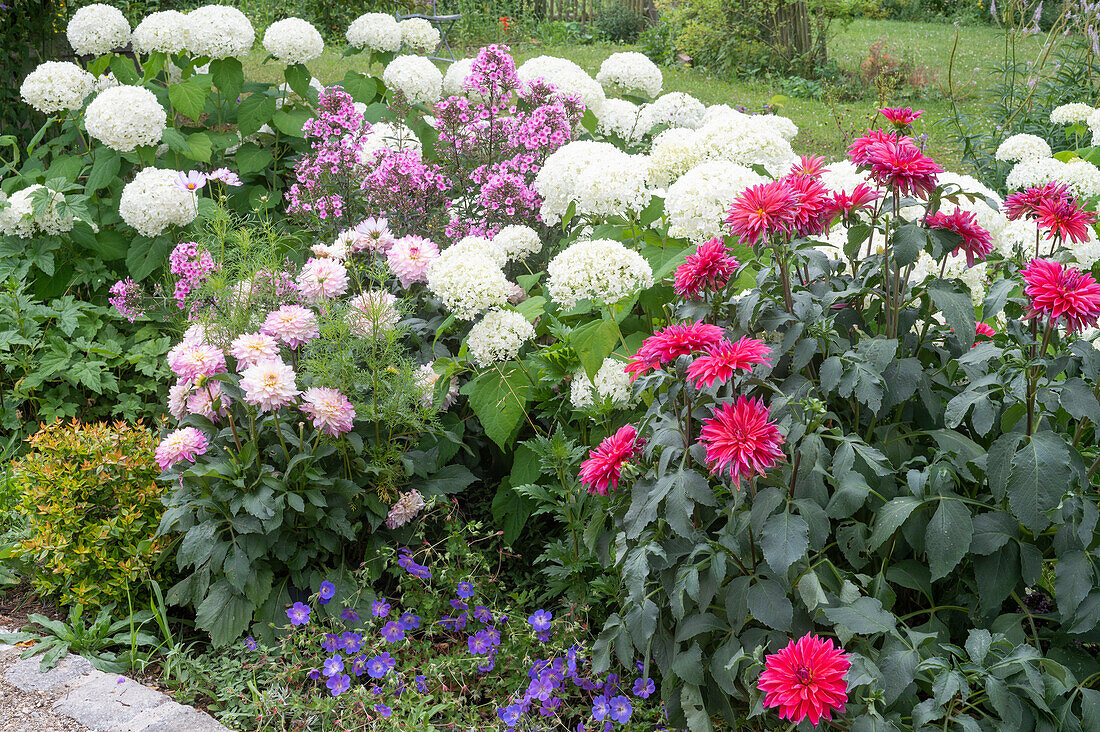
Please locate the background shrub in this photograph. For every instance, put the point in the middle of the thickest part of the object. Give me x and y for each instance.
(91, 506)
(619, 23)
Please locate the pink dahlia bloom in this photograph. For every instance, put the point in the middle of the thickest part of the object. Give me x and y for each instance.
(373, 234)
(269, 385)
(981, 329)
(707, 270)
(844, 204)
(1025, 204)
(903, 166)
(183, 444)
(204, 398)
(601, 471)
(322, 279)
(671, 342)
(806, 680)
(190, 361)
(251, 348)
(762, 211)
(292, 325)
(812, 204)
(976, 242)
(900, 117)
(859, 152)
(742, 439)
(1059, 291)
(723, 358)
(811, 165)
(1065, 219)
(330, 410)
(410, 257)
(177, 398)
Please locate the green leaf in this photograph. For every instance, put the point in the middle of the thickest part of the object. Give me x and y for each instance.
(1073, 578)
(769, 604)
(361, 87)
(225, 614)
(104, 169)
(499, 399)
(947, 536)
(784, 541)
(123, 69)
(237, 568)
(907, 242)
(145, 255)
(954, 301)
(189, 96)
(297, 77)
(1041, 474)
(688, 664)
(594, 342)
(290, 122)
(865, 616)
(890, 518)
(228, 76)
(510, 511)
(254, 112)
(251, 158)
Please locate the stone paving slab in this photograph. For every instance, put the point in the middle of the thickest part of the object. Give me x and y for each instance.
(93, 700)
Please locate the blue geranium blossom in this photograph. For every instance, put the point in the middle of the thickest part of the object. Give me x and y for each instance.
(600, 708)
(540, 621)
(338, 684)
(298, 614)
(620, 709)
(383, 710)
(351, 642)
(328, 591)
(465, 590)
(332, 666)
(380, 608)
(422, 683)
(330, 643)
(644, 687)
(510, 714)
(393, 632)
(409, 621)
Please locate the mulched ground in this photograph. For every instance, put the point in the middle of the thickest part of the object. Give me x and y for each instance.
(16, 603)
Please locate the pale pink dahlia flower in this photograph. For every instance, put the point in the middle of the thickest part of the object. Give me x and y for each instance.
(269, 385)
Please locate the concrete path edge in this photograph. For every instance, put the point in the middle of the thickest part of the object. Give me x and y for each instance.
(101, 701)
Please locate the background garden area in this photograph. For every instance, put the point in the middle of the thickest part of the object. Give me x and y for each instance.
(699, 365)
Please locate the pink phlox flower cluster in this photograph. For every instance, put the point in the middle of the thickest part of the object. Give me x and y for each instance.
(493, 74)
(127, 298)
(403, 187)
(336, 119)
(192, 265)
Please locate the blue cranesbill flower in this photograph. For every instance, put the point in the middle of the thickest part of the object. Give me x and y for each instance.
(510, 714)
(479, 643)
(600, 708)
(483, 614)
(409, 621)
(298, 614)
(349, 615)
(393, 632)
(380, 608)
(330, 643)
(382, 710)
(422, 683)
(351, 642)
(381, 665)
(338, 684)
(465, 590)
(620, 709)
(332, 666)
(644, 687)
(328, 591)
(250, 643)
(359, 665)
(540, 621)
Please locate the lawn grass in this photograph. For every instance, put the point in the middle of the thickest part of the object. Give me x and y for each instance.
(826, 127)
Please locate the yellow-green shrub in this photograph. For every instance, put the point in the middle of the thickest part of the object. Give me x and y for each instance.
(92, 505)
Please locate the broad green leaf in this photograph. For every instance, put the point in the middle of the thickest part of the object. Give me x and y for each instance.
(594, 342)
(947, 536)
(290, 122)
(889, 519)
(145, 255)
(1073, 578)
(954, 301)
(865, 616)
(254, 112)
(499, 399)
(906, 243)
(297, 77)
(228, 76)
(769, 604)
(123, 69)
(361, 87)
(225, 614)
(251, 158)
(189, 96)
(104, 169)
(1041, 474)
(784, 541)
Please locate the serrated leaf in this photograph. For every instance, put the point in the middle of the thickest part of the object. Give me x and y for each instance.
(954, 302)
(865, 616)
(594, 342)
(947, 536)
(499, 399)
(189, 96)
(785, 538)
(254, 112)
(769, 604)
(889, 519)
(1041, 473)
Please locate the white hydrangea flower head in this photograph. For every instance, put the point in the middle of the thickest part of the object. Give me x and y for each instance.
(468, 284)
(153, 201)
(697, 203)
(599, 178)
(1022, 147)
(419, 35)
(975, 278)
(55, 86)
(621, 118)
(630, 73)
(1034, 172)
(991, 219)
(518, 241)
(1071, 114)
(478, 246)
(1082, 177)
(602, 270)
(843, 177)
(498, 336)
(1017, 237)
(17, 217)
(97, 29)
(387, 136)
(1093, 123)
(611, 386)
(749, 141)
(675, 109)
(105, 82)
(1087, 253)
(293, 41)
(163, 31)
(377, 32)
(566, 77)
(417, 77)
(455, 77)
(125, 118)
(673, 153)
(219, 31)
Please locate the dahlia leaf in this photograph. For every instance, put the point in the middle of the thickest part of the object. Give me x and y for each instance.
(907, 242)
(769, 604)
(1073, 579)
(1041, 473)
(947, 536)
(890, 518)
(955, 302)
(865, 616)
(785, 540)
